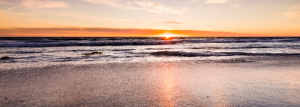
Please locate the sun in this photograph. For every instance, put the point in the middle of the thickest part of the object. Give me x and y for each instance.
(169, 36)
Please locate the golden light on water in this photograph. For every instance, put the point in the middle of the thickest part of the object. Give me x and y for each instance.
(169, 36)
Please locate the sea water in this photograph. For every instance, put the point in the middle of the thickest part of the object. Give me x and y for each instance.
(45, 51)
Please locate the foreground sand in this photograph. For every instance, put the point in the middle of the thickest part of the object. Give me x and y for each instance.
(256, 81)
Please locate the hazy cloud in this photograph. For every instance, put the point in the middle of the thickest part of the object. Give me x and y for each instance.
(215, 1)
(205, 29)
(47, 4)
(5, 13)
(25, 14)
(111, 3)
(294, 12)
(2, 13)
(4, 2)
(172, 22)
(128, 2)
(133, 22)
(156, 7)
(88, 17)
(236, 5)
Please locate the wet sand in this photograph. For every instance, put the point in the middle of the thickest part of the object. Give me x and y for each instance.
(254, 81)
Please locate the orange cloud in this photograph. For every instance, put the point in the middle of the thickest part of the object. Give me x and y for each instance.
(109, 32)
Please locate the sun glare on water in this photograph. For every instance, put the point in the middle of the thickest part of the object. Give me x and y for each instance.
(169, 35)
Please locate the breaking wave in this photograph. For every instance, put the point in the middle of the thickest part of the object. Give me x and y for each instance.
(194, 54)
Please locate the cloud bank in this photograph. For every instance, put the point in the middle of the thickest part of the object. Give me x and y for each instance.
(109, 32)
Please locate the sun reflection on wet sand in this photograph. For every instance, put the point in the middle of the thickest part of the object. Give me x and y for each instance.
(222, 85)
(168, 86)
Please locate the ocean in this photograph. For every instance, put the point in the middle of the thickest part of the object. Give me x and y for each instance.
(45, 51)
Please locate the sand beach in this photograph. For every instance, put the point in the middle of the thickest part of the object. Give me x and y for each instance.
(254, 81)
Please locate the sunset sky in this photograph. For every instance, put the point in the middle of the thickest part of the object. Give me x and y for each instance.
(149, 18)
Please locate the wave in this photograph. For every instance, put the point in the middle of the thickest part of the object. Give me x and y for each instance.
(122, 49)
(81, 43)
(206, 54)
(241, 40)
(119, 41)
(251, 47)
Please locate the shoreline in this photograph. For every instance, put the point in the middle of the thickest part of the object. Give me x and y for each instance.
(246, 59)
(252, 81)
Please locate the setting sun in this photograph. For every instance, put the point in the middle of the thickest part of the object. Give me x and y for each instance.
(169, 35)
